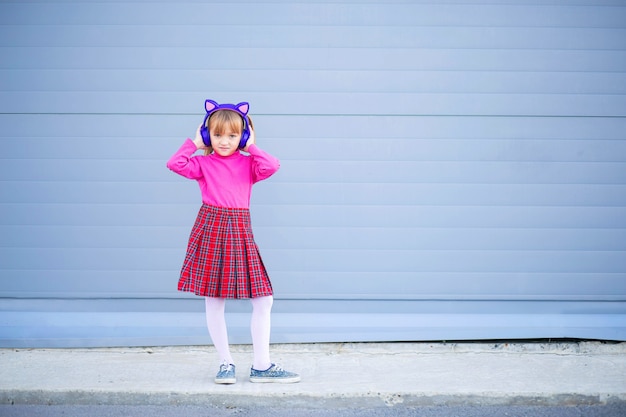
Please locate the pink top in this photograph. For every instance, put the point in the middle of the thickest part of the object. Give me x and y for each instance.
(224, 181)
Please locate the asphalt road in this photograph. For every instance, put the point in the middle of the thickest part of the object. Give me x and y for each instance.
(614, 410)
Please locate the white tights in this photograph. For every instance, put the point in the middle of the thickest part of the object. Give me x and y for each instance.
(260, 325)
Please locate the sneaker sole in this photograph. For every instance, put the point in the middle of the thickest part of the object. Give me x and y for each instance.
(225, 381)
(288, 380)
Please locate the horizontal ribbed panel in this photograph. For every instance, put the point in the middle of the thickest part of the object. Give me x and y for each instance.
(448, 171)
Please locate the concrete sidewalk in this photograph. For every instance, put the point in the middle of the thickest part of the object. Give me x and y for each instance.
(352, 374)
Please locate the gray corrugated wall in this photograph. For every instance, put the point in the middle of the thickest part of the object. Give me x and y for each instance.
(449, 171)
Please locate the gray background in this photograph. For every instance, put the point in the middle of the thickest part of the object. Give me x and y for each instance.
(449, 171)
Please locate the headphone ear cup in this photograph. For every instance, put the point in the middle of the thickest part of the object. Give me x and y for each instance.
(206, 138)
(245, 135)
(204, 130)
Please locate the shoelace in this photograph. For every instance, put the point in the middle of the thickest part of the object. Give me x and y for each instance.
(225, 366)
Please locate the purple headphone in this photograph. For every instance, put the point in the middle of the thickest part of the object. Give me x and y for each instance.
(241, 109)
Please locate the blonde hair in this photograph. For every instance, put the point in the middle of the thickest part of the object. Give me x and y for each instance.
(223, 120)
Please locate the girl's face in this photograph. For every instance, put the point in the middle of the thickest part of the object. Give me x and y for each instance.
(226, 142)
(225, 129)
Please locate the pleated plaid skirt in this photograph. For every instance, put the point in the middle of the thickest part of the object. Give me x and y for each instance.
(222, 258)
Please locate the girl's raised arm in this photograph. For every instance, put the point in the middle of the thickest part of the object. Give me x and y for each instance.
(182, 162)
(264, 165)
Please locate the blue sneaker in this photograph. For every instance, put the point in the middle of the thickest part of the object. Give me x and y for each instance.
(274, 373)
(226, 374)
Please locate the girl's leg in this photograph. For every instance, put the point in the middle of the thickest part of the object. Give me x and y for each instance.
(216, 322)
(260, 328)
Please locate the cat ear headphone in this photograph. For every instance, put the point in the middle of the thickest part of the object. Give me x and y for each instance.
(242, 109)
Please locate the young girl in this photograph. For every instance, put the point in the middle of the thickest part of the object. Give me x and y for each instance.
(222, 259)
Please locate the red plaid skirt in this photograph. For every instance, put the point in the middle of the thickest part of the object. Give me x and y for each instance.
(222, 257)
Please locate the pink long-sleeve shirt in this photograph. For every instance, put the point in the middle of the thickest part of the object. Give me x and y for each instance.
(224, 181)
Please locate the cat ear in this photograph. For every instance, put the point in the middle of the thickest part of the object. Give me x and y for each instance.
(210, 105)
(243, 107)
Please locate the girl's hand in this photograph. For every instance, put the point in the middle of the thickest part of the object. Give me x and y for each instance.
(251, 140)
(198, 139)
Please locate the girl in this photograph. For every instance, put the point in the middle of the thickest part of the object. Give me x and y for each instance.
(222, 259)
